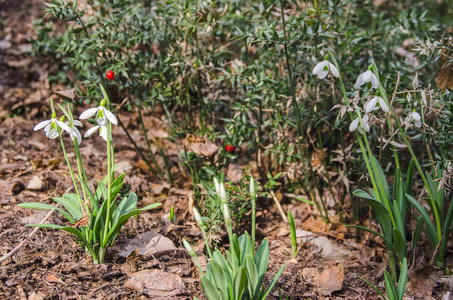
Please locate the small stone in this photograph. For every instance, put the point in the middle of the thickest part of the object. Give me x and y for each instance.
(35, 184)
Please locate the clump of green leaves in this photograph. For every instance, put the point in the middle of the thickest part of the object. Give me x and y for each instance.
(240, 273)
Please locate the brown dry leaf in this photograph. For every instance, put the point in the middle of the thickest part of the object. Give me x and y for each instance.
(234, 173)
(207, 148)
(423, 280)
(156, 283)
(445, 76)
(50, 277)
(69, 94)
(330, 280)
(130, 266)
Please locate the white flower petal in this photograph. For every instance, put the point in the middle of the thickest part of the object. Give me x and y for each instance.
(383, 105)
(318, 68)
(418, 123)
(367, 127)
(371, 105)
(50, 133)
(64, 127)
(111, 117)
(77, 123)
(89, 112)
(323, 74)
(77, 135)
(353, 125)
(103, 132)
(360, 80)
(416, 116)
(334, 70)
(374, 81)
(42, 124)
(91, 131)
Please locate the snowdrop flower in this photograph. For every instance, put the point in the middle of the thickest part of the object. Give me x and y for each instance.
(51, 127)
(323, 68)
(355, 124)
(375, 103)
(415, 118)
(101, 114)
(367, 76)
(102, 131)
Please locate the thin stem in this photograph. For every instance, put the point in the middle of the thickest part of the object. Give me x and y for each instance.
(147, 140)
(70, 169)
(298, 117)
(137, 148)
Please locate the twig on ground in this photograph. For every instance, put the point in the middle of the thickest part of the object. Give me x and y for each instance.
(280, 209)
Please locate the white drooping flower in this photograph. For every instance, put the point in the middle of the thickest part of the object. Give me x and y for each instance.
(52, 126)
(367, 76)
(75, 131)
(414, 117)
(323, 68)
(102, 131)
(375, 103)
(102, 114)
(355, 124)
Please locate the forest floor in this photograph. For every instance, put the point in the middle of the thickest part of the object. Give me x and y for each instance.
(52, 265)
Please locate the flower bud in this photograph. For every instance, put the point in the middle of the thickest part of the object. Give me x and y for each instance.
(222, 192)
(188, 247)
(197, 217)
(252, 187)
(226, 213)
(217, 186)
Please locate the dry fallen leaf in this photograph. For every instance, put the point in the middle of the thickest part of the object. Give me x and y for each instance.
(207, 148)
(234, 173)
(330, 280)
(445, 76)
(69, 94)
(423, 280)
(50, 277)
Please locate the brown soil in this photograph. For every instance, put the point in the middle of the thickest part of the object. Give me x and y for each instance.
(52, 265)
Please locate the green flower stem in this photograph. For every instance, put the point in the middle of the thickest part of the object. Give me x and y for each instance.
(253, 199)
(417, 164)
(381, 184)
(70, 169)
(107, 226)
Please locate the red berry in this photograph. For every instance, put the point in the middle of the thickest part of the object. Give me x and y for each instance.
(110, 75)
(229, 148)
